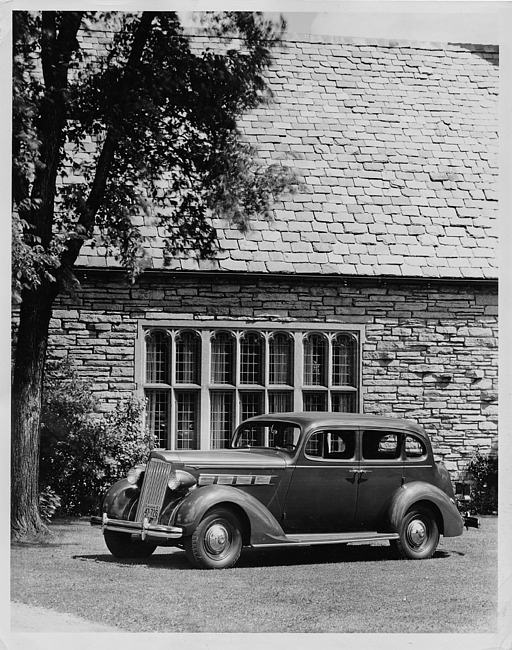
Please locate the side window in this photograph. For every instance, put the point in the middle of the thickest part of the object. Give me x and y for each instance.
(380, 445)
(331, 445)
(414, 448)
(340, 444)
(314, 445)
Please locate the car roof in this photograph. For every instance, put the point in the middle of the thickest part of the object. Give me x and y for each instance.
(310, 419)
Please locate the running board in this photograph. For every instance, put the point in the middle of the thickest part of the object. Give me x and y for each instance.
(311, 539)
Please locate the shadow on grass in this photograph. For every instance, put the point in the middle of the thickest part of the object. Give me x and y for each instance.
(285, 556)
(53, 537)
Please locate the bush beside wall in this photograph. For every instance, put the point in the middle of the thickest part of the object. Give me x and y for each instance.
(82, 455)
(483, 473)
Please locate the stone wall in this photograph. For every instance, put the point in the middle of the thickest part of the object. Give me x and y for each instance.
(429, 351)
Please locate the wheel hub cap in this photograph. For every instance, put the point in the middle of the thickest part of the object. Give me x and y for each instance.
(217, 538)
(416, 532)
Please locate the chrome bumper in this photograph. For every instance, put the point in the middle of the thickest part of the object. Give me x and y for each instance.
(144, 529)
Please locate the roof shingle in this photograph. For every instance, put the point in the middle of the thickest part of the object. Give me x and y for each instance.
(396, 146)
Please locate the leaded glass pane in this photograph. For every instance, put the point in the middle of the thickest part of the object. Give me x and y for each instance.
(186, 420)
(221, 418)
(251, 404)
(315, 360)
(280, 402)
(251, 359)
(158, 358)
(343, 361)
(157, 415)
(315, 401)
(280, 361)
(344, 402)
(187, 358)
(222, 358)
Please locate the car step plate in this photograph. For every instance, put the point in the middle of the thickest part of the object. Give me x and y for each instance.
(331, 538)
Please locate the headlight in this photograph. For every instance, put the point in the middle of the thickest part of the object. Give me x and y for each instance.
(180, 479)
(133, 475)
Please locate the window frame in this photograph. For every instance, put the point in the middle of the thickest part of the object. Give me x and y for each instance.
(297, 331)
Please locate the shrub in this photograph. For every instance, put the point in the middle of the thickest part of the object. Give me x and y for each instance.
(49, 503)
(81, 455)
(484, 491)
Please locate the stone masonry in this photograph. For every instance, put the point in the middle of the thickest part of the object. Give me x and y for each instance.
(429, 351)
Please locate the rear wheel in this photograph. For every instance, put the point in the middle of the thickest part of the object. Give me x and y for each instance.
(216, 543)
(419, 534)
(121, 545)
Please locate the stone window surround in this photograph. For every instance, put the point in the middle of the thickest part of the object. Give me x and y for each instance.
(206, 327)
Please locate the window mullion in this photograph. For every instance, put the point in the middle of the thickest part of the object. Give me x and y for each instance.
(204, 382)
(171, 433)
(329, 371)
(237, 363)
(298, 345)
(266, 370)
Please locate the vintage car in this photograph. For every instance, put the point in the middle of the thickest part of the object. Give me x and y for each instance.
(288, 479)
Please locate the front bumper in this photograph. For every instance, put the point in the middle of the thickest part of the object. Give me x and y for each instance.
(143, 530)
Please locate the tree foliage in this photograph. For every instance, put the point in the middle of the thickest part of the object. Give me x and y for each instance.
(149, 128)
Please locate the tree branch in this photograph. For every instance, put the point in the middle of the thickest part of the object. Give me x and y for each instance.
(56, 53)
(91, 205)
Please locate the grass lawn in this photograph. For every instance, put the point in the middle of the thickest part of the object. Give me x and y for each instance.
(351, 588)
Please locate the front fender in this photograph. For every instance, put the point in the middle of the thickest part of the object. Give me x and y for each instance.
(119, 499)
(416, 491)
(264, 527)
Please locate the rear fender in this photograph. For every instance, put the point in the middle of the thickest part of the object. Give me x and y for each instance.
(264, 527)
(416, 491)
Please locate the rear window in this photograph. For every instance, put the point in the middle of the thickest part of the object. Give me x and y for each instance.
(414, 448)
(381, 445)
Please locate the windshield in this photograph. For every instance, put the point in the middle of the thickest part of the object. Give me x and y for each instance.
(271, 435)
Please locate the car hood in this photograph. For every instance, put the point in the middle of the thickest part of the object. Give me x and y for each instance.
(225, 458)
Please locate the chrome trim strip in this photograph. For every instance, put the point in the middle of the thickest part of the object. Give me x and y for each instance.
(235, 479)
(351, 464)
(239, 465)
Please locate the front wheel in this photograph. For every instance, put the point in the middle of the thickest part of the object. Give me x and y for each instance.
(216, 543)
(122, 546)
(419, 534)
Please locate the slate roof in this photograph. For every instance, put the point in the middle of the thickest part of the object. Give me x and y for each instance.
(396, 145)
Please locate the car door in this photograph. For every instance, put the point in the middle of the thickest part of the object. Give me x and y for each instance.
(380, 475)
(322, 495)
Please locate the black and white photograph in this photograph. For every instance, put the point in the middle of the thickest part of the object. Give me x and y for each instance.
(257, 385)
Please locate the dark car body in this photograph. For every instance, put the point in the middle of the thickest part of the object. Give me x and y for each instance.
(288, 479)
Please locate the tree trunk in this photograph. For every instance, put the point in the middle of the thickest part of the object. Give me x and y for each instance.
(58, 41)
(27, 387)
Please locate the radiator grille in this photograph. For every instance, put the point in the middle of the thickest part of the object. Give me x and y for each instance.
(153, 490)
